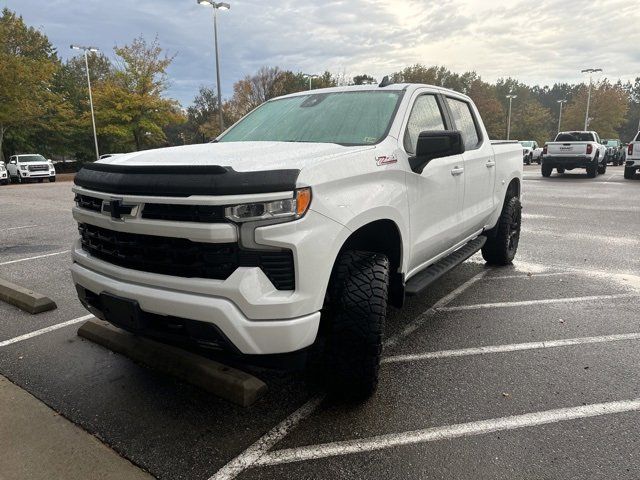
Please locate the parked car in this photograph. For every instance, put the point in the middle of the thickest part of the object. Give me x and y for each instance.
(614, 151)
(531, 152)
(632, 162)
(299, 225)
(579, 149)
(4, 176)
(26, 168)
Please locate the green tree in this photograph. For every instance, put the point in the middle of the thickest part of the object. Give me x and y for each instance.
(130, 107)
(27, 64)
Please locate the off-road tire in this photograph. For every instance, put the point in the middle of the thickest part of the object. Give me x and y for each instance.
(503, 239)
(592, 171)
(629, 173)
(355, 324)
(546, 170)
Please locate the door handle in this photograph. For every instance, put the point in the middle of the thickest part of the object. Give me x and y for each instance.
(490, 164)
(457, 171)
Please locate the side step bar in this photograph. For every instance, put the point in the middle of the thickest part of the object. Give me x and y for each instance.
(426, 277)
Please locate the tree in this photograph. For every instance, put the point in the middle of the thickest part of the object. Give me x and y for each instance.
(363, 80)
(130, 107)
(27, 64)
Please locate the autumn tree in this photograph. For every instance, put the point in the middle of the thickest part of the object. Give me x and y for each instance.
(130, 106)
(27, 64)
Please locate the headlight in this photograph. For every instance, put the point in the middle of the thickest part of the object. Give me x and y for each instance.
(287, 209)
(23, 167)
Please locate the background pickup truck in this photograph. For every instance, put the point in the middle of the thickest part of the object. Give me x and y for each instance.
(632, 163)
(531, 152)
(575, 150)
(293, 232)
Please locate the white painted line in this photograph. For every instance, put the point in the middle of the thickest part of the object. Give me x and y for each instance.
(34, 258)
(251, 455)
(19, 228)
(42, 331)
(545, 301)
(447, 432)
(533, 275)
(439, 305)
(516, 347)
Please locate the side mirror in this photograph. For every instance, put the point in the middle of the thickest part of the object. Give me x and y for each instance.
(436, 144)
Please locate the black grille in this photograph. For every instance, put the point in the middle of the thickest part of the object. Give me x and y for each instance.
(184, 258)
(38, 168)
(90, 203)
(184, 213)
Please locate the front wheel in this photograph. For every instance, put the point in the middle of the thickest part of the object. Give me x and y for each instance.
(503, 239)
(52, 179)
(354, 330)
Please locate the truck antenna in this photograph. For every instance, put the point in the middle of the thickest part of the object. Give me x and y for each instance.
(385, 82)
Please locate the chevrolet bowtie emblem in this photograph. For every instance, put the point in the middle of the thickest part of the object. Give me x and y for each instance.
(116, 208)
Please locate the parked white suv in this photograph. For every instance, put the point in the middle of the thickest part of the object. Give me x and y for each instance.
(575, 150)
(26, 168)
(632, 162)
(4, 176)
(295, 229)
(531, 152)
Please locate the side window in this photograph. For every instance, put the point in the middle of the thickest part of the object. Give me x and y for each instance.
(464, 121)
(425, 115)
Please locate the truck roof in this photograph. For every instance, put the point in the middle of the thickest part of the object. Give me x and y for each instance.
(391, 87)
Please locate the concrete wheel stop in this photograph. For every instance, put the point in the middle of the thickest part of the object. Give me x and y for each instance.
(223, 381)
(25, 299)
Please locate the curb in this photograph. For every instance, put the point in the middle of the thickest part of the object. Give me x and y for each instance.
(226, 382)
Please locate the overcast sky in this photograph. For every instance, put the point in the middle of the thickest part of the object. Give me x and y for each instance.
(534, 41)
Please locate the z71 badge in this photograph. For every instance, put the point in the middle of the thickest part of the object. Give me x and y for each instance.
(386, 160)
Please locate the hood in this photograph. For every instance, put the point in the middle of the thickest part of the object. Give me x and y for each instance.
(241, 156)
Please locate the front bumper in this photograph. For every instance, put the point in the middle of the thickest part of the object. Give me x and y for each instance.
(249, 337)
(577, 161)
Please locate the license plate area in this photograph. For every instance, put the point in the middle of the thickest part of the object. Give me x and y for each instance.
(121, 312)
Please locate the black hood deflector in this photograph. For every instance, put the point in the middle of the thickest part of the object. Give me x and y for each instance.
(182, 181)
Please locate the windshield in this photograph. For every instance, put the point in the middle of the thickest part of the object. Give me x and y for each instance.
(527, 144)
(346, 118)
(575, 137)
(611, 143)
(31, 158)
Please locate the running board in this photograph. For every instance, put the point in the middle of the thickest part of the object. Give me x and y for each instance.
(426, 277)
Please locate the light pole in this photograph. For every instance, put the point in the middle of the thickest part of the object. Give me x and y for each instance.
(510, 97)
(217, 6)
(93, 117)
(310, 76)
(561, 102)
(590, 71)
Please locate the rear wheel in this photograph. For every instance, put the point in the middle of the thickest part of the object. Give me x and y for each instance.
(354, 330)
(602, 169)
(503, 239)
(546, 170)
(629, 173)
(560, 170)
(592, 171)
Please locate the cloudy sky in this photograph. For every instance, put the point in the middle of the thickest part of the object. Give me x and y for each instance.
(540, 41)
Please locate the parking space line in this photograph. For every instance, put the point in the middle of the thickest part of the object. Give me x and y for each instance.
(527, 275)
(34, 258)
(544, 301)
(252, 455)
(19, 228)
(447, 432)
(42, 331)
(438, 306)
(515, 347)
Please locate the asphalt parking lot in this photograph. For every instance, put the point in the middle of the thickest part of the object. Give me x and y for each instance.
(527, 372)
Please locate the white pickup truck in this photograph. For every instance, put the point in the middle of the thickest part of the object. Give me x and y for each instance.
(575, 150)
(632, 163)
(295, 229)
(27, 168)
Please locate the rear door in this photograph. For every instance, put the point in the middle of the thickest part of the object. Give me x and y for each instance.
(479, 165)
(435, 195)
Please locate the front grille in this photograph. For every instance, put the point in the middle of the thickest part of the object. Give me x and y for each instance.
(38, 168)
(184, 213)
(90, 203)
(184, 258)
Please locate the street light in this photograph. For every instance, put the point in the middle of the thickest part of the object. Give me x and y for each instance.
(217, 6)
(510, 97)
(310, 76)
(590, 71)
(93, 117)
(561, 102)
